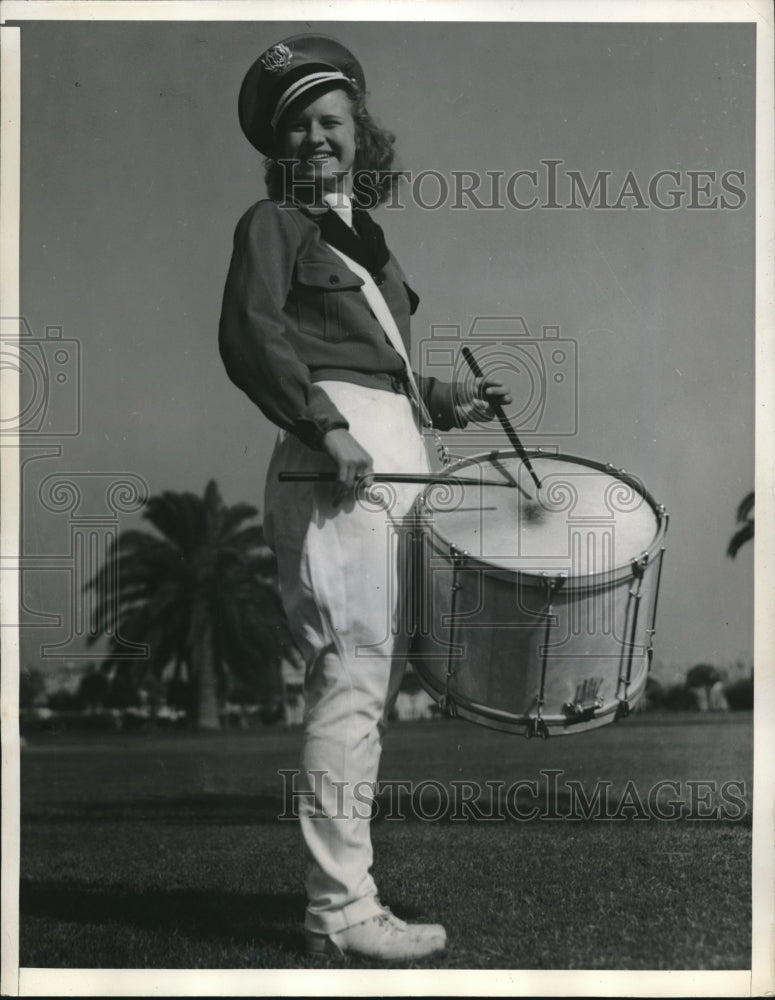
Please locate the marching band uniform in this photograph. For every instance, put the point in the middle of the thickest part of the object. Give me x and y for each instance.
(298, 337)
(297, 334)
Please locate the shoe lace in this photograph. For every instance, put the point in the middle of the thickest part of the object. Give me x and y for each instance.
(388, 919)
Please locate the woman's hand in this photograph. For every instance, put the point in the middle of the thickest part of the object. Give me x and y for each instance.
(352, 461)
(476, 401)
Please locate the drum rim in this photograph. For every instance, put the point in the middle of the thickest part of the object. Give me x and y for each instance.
(495, 718)
(562, 579)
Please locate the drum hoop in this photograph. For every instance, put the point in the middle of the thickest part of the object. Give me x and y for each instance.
(560, 580)
(488, 715)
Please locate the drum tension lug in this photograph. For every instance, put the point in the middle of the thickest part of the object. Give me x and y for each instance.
(448, 706)
(537, 727)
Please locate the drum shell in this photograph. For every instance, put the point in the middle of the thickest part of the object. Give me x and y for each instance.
(532, 653)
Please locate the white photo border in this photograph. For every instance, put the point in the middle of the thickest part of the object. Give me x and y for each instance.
(85, 982)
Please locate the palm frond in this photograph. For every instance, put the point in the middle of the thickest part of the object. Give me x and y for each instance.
(745, 534)
(746, 506)
(250, 537)
(179, 517)
(745, 518)
(233, 517)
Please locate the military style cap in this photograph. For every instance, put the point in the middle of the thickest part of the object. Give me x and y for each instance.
(293, 68)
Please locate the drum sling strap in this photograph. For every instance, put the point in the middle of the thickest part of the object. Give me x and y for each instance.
(385, 319)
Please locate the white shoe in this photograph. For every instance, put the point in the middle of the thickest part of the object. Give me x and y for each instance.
(384, 937)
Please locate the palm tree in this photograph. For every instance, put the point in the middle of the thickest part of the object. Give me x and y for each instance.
(746, 521)
(200, 593)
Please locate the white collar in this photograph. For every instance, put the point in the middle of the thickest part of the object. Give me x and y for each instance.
(339, 202)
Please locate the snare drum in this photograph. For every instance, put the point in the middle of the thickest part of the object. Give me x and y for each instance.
(534, 610)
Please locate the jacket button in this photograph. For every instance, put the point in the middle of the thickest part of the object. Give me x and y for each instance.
(379, 279)
(333, 279)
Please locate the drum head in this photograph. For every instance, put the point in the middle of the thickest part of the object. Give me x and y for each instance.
(586, 519)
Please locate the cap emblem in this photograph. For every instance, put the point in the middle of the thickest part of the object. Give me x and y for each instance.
(277, 58)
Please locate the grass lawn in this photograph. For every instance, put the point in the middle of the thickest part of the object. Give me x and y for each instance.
(165, 851)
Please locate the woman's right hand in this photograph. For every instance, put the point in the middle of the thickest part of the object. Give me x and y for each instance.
(352, 461)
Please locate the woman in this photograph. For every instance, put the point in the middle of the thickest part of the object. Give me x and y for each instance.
(315, 329)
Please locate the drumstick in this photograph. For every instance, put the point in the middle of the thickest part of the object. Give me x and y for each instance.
(392, 477)
(511, 434)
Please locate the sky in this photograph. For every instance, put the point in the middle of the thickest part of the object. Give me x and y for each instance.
(135, 172)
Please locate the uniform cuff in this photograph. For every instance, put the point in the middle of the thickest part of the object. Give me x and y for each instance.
(439, 398)
(318, 418)
(312, 433)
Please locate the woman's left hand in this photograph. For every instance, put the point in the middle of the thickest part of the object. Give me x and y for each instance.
(476, 401)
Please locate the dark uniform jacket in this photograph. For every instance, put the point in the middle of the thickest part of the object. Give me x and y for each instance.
(294, 315)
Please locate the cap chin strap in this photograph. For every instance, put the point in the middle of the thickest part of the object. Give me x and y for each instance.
(302, 86)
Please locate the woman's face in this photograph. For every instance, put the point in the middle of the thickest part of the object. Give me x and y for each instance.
(320, 138)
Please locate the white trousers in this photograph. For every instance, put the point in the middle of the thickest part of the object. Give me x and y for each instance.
(339, 581)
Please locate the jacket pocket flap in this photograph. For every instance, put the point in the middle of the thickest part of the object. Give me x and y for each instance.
(325, 275)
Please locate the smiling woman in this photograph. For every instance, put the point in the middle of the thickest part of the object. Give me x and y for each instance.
(315, 329)
(370, 174)
(320, 139)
